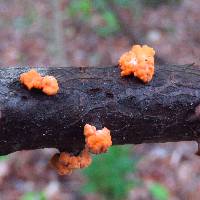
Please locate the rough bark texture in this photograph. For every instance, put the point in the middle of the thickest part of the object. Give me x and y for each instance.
(165, 110)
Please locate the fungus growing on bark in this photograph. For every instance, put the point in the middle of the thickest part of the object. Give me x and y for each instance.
(33, 79)
(98, 141)
(65, 163)
(49, 85)
(139, 61)
(60, 168)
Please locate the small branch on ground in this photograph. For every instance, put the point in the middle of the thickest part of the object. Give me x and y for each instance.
(164, 110)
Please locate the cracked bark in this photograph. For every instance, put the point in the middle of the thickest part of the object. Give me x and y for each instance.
(165, 110)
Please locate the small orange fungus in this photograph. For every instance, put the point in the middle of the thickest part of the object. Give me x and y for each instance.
(139, 61)
(98, 141)
(49, 85)
(65, 163)
(33, 79)
(60, 168)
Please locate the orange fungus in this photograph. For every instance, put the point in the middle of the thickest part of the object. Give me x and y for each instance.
(98, 141)
(61, 169)
(49, 85)
(139, 61)
(65, 163)
(33, 79)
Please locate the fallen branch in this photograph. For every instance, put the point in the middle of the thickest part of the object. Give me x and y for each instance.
(165, 110)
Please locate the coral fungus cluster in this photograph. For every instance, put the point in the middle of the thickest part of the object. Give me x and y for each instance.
(97, 141)
(32, 79)
(65, 163)
(139, 61)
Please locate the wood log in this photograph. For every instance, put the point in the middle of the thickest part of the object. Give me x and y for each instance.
(164, 110)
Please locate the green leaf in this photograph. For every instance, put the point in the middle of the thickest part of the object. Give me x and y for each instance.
(33, 196)
(159, 192)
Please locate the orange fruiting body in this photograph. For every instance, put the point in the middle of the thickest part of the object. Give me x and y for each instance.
(98, 141)
(65, 163)
(49, 85)
(33, 79)
(60, 168)
(139, 61)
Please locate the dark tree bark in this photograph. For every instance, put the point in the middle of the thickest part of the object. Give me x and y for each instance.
(165, 110)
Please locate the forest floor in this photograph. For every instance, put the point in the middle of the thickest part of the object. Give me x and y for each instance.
(28, 37)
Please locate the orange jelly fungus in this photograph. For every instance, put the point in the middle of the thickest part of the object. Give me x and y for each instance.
(33, 79)
(98, 141)
(65, 163)
(139, 61)
(50, 85)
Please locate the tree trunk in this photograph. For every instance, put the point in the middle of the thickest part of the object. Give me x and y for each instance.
(165, 110)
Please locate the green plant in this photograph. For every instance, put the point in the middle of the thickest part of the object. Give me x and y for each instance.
(108, 174)
(110, 24)
(83, 10)
(33, 196)
(3, 158)
(158, 191)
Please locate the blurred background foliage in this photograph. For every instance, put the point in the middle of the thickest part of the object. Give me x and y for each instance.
(33, 196)
(4, 158)
(96, 32)
(159, 192)
(109, 173)
(85, 9)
